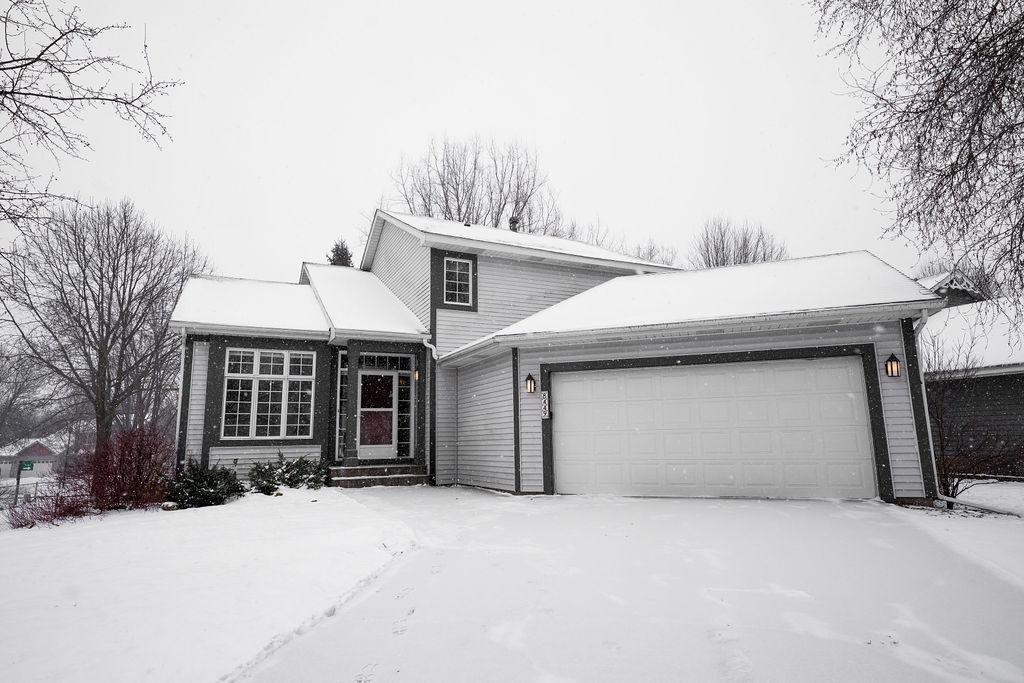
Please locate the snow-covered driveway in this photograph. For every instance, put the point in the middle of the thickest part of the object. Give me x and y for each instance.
(590, 588)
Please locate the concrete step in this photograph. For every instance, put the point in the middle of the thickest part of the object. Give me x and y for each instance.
(384, 480)
(377, 470)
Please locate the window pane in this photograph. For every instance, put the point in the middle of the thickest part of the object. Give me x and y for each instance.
(237, 407)
(240, 362)
(300, 364)
(300, 408)
(268, 406)
(271, 362)
(375, 427)
(377, 391)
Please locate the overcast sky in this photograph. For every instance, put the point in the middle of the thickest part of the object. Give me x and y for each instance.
(649, 117)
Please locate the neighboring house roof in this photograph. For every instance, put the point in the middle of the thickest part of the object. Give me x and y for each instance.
(12, 450)
(435, 232)
(226, 304)
(844, 283)
(331, 301)
(950, 279)
(979, 337)
(356, 301)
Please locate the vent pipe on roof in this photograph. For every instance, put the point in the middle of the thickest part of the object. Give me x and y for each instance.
(513, 223)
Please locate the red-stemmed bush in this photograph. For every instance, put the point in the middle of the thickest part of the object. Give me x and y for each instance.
(130, 471)
(59, 496)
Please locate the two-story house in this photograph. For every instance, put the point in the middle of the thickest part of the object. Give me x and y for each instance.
(525, 363)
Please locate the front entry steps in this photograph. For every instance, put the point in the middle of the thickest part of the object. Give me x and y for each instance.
(378, 475)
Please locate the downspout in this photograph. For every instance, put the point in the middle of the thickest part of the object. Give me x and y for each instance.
(433, 349)
(181, 390)
(931, 445)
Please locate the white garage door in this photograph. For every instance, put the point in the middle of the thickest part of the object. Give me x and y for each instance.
(784, 429)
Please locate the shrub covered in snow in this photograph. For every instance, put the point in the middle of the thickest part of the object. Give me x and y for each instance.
(267, 477)
(200, 486)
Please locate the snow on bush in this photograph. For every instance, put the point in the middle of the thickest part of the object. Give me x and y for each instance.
(199, 486)
(267, 477)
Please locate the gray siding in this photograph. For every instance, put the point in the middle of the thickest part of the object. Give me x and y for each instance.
(887, 338)
(241, 458)
(485, 423)
(447, 434)
(509, 291)
(403, 265)
(197, 400)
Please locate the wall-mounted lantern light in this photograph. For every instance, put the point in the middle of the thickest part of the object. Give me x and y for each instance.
(892, 366)
(531, 384)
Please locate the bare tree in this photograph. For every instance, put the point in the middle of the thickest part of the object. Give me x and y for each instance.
(723, 242)
(964, 445)
(979, 276)
(474, 182)
(656, 253)
(50, 76)
(943, 123)
(90, 292)
(18, 386)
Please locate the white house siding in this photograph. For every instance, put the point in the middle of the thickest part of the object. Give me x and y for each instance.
(447, 434)
(485, 423)
(508, 291)
(887, 338)
(241, 458)
(197, 400)
(403, 265)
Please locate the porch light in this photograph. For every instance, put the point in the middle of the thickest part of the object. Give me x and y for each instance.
(892, 366)
(531, 384)
(416, 374)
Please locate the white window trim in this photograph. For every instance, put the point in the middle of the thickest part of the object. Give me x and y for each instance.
(255, 376)
(444, 282)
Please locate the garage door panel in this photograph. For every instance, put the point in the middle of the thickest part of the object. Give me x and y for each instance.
(778, 428)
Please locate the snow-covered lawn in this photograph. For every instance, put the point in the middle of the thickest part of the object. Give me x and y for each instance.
(186, 595)
(494, 587)
(1008, 495)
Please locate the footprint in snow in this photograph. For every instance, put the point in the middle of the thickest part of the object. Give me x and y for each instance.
(402, 625)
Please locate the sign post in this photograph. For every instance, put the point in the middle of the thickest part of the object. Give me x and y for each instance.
(23, 466)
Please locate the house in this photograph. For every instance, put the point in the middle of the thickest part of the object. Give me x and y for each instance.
(37, 453)
(953, 286)
(524, 363)
(974, 372)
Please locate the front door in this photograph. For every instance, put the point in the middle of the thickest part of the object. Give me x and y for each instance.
(378, 401)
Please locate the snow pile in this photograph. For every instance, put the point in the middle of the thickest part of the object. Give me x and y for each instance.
(817, 283)
(356, 300)
(187, 595)
(208, 301)
(973, 336)
(1007, 495)
(487, 234)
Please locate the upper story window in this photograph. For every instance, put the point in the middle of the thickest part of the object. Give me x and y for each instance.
(458, 281)
(268, 394)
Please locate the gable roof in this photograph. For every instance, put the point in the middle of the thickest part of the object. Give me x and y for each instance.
(952, 279)
(833, 284)
(357, 302)
(435, 232)
(979, 337)
(331, 300)
(16, 448)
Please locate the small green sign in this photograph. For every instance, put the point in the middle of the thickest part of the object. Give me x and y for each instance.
(27, 465)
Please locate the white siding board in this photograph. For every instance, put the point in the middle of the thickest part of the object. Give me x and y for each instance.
(241, 458)
(895, 392)
(403, 265)
(508, 291)
(197, 400)
(447, 436)
(485, 425)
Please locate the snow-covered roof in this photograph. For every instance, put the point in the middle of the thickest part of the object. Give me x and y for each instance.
(948, 279)
(836, 282)
(229, 304)
(12, 450)
(979, 336)
(357, 301)
(436, 232)
(932, 281)
(331, 299)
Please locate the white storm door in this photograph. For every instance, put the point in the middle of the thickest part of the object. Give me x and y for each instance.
(377, 430)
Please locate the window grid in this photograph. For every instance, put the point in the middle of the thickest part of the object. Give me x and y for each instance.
(403, 365)
(282, 404)
(458, 281)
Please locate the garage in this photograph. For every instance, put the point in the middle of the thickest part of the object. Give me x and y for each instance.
(795, 428)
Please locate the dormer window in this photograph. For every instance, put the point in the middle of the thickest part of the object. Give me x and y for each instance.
(458, 281)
